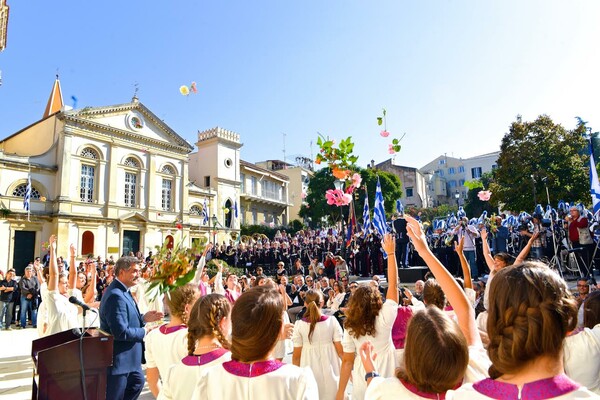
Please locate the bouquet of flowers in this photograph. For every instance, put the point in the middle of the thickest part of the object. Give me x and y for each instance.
(174, 266)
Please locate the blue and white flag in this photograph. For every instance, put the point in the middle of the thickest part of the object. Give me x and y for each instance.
(366, 216)
(235, 209)
(379, 211)
(594, 184)
(399, 207)
(205, 220)
(27, 197)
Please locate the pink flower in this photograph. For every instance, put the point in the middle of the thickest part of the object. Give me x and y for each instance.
(391, 149)
(384, 133)
(484, 195)
(356, 179)
(303, 195)
(337, 197)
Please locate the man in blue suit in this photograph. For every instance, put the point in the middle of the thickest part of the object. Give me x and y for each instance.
(120, 316)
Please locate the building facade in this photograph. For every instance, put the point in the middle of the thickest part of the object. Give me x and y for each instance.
(446, 176)
(414, 184)
(110, 180)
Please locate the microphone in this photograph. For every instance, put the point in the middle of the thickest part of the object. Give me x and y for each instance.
(81, 304)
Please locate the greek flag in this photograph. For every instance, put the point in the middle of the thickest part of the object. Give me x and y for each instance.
(27, 197)
(235, 208)
(595, 185)
(379, 211)
(399, 207)
(205, 220)
(366, 216)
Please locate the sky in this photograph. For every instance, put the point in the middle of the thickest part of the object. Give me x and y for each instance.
(452, 75)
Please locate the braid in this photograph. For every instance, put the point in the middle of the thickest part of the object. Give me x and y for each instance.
(215, 317)
(191, 341)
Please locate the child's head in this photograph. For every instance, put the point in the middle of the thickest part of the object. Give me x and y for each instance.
(434, 371)
(531, 311)
(257, 319)
(433, 295)
(181, 301)
(209, 317)
(313, 301)
(363, 307)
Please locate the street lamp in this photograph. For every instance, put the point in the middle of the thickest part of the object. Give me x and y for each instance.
(339, 185)
(215, 221)
(457, 197)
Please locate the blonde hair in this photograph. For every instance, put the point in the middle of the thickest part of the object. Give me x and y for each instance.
(313, 300)
(205, 319)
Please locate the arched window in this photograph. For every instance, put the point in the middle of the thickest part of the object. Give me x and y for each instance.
(131, 162)
(131, 181)
(87, 243)
(229, 215)
(20, 191)
(196, 210)
(167, 170)
(88, 152)
(88, 174)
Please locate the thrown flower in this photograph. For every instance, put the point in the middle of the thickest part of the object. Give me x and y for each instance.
(179, 226)
(484, 195)
(341, 173)
(384, 133)
(391, 149)
(184, 90)
(356, 179)
(336, 197)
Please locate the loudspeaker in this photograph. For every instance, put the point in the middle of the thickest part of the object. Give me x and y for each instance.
(412, 274)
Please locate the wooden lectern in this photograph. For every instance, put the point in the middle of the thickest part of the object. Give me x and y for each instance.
(57, 372)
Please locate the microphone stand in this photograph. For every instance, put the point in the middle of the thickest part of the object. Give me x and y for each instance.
(81, 364)
(555, 261)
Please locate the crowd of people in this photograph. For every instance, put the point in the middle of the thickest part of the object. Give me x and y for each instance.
(519, 334)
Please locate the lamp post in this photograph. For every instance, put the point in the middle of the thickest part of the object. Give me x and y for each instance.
(215, 221)
(339, 185)
(457, 197)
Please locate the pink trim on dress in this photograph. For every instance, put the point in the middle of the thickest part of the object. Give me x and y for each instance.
(323, 318)
(538, 390)
(164, 329)
(196, 360)
(252, 370)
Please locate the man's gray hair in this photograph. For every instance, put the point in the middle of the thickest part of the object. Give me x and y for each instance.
(124, 263)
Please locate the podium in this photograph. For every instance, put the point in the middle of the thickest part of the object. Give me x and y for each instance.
(57, 368)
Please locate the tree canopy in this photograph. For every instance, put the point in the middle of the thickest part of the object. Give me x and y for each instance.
(317, 207)
(537, 153)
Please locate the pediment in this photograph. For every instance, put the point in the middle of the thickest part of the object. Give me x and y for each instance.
(133, 120)
(133, 217)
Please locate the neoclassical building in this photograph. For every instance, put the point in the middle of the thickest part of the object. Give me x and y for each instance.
(110, 180)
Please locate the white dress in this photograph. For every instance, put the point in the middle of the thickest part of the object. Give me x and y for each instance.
(263, 380)
(42, 315)
(92, 318)
(385, 363)
(165, 346)
(559, 387)
(181, 379)
(581, 355)
(319, 354)
(61, 314)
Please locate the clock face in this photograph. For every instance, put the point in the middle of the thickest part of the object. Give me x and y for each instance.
(135, 121)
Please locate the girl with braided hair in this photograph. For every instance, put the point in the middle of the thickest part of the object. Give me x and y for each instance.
(531, 312)
(253, 372)
(317, 345)
(167, 344)
(209, 324)
(439, 354)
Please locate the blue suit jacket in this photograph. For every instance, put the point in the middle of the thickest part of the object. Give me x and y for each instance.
(120, 316)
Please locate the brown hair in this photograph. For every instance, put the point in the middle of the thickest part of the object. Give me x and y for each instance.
(434, 371)
(313, 300)
(433, 295)
(257, 317)
(529, 316)
(591, 310)
(205, 319)
(505, 257)
(177, 300)
(363, 307)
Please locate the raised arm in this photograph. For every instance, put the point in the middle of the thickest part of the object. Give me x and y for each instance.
(487, 254)
(52, 268)
(90, 294)
(523, 254)
(466, 268)
(389, 246)
(72, 267)
(457, 297)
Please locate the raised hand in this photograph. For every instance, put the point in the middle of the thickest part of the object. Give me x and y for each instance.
(72, 250)
(389, 243)
(415, 233)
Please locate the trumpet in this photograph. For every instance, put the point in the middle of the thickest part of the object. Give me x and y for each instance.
(449, 239)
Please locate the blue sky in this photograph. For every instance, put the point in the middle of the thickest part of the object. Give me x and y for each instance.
(452, 74)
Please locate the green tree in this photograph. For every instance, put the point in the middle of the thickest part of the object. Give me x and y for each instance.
(473, 206)
(317, 207)
(538, 151)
